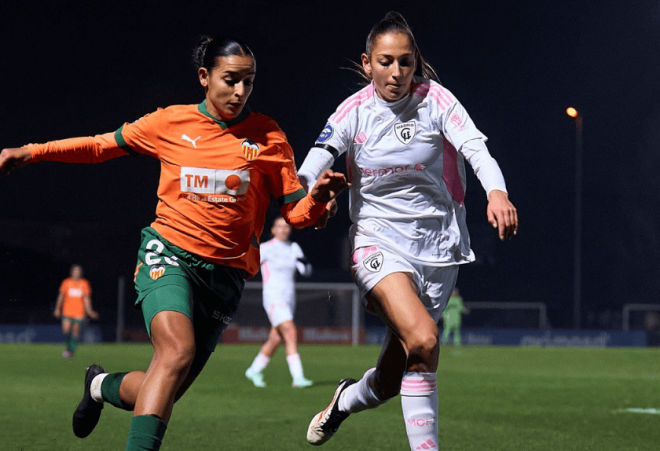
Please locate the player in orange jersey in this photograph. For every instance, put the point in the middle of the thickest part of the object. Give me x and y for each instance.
(220, 163)
(73, 304)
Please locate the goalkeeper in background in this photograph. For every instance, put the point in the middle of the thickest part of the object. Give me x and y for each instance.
(280, 260)
(452, 316)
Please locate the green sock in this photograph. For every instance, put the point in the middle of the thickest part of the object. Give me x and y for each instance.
(110, 389)
(146, 433)
(67, 341)
(73, 343)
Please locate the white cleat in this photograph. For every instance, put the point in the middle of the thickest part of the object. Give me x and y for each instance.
(324, 424)
(301, 382)
(256, 377)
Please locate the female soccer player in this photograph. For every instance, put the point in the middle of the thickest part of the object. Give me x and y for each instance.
(74, 302)
(220, 163)
(280, 260)
(406, 138)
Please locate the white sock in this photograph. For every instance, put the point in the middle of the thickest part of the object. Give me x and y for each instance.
(95, 387)
(419, 402)
(295, 366)
(359, 396)
(260, 362)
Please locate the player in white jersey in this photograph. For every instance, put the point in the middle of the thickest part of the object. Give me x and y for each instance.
(280, 260)
(406, 139)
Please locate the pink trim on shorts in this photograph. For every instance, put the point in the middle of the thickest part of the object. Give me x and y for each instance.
(362, 253)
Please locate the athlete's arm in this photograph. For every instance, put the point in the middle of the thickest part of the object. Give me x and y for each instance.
(57, 313)
(310, 208)
(91, 149)
(316, 162)
(88, 307)
(502, 215)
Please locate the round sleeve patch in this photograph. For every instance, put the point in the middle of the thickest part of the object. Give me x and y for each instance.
(326, 134)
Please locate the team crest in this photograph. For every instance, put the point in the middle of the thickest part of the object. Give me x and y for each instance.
(156, 272)
(373, 262)
(405, 131)
(250, 149)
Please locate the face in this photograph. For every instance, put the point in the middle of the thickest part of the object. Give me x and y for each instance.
(228, 85)
(391, 65)
(76, 272)
(281, 230)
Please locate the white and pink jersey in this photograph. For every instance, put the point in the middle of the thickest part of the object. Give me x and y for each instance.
(279, 262)
(407, 178)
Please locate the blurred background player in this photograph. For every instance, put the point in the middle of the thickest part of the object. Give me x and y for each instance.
(74, 303)
(280, 259)
(220, 165)
(452, 316)
(406, 140)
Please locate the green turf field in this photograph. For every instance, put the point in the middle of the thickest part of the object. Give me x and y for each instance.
(491, 398)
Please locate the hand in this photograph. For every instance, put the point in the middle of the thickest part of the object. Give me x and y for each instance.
(328, 186)
(14, 158)
(330, 211)
(57, 314)
(502, 215)
(93, 315)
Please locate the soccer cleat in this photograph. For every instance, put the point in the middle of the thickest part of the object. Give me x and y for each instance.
(256, 377)
(88, 412)
(324, 424)
(301, 382)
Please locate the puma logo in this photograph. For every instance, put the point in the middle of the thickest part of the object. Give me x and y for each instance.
(192, 141)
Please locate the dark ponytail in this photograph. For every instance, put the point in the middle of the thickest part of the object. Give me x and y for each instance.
(394, 22)
(208, 50)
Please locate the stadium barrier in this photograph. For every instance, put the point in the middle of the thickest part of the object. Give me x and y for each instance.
(542, 338)
(23, 333)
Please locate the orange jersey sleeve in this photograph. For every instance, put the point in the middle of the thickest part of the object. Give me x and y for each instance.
(216, 179)
(91, 149)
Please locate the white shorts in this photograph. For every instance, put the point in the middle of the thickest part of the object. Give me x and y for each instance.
(278, 312)
(434, 283)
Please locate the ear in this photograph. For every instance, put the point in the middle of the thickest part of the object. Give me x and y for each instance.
(203, 77)
(366, 65)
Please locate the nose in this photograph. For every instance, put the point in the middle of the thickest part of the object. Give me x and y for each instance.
(239, 90)
(396, 70)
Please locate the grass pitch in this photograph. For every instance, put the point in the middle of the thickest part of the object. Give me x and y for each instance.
(491, 398)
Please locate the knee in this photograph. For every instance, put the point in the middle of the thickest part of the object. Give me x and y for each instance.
(423, 345)
(178, 358)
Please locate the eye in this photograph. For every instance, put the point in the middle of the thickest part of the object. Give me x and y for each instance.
(384, 63)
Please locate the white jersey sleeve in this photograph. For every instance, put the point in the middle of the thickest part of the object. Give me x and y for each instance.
(460, 131)
(335, 139)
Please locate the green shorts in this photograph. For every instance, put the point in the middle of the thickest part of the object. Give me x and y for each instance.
(168, 278)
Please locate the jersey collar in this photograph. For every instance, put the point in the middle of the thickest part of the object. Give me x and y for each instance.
(224, 125)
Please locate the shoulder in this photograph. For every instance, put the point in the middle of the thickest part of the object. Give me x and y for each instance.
(353, 103)
(433, 92)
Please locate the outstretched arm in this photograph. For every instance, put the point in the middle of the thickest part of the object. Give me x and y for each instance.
(90, 149)
(310, 208)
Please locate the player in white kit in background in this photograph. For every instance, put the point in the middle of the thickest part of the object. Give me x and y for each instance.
(406, 139)
(280, 260)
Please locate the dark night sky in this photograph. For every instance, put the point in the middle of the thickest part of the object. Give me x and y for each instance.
(74, 69)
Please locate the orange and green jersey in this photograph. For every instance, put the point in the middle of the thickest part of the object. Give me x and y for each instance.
(216, 177)
(74, 292)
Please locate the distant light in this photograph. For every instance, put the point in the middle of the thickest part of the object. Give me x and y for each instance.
(572, 112)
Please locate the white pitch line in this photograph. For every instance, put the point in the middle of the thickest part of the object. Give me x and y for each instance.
(637, 410)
